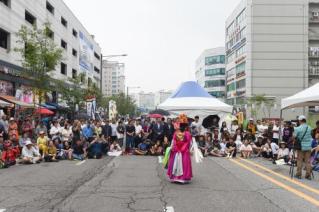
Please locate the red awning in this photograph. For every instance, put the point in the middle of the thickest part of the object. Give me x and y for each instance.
(44, 111)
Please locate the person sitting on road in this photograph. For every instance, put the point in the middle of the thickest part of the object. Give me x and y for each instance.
(156, 149)
(215, 149)
(274, 149)
(142, 148)
(30, 154)
(202, 144)
(283, 152)
(258, 145)
(23, 140)
(95, 147)
(9, 154)
(79, 150)
(67, 151)
(266, 151)
(50, 154)
(246, 149)
(42, 143)
(115, 149)
(231, 148)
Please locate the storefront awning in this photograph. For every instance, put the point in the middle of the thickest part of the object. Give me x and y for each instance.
(13, 100)
(5, 104)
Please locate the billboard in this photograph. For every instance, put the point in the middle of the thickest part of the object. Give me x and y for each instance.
(6, 88)
(86, 54)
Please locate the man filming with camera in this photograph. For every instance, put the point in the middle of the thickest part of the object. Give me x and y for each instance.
(302, 144)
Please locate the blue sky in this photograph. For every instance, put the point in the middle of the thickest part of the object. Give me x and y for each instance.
(162, 38)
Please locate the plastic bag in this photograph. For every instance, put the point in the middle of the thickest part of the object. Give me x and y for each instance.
(198, 156)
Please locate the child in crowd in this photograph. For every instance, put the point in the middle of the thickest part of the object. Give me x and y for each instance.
(115, 149)
(231, 148)
(246, 149)
(283, 152)
(67, 151)
(156, 149)
(266, 151)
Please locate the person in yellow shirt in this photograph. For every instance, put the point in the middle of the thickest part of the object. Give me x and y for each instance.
(42, 142)
(50, 154)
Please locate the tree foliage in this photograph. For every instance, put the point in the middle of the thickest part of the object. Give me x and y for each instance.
(40, 55)
(258, 102)
(125, 104)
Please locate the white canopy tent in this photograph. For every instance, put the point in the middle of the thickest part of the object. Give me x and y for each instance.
(307, 97)
(191, 99)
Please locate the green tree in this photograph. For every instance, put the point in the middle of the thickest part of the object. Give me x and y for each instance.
(261, 102)
(125, 105)
(40, 55)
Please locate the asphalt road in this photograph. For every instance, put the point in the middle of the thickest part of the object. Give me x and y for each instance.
(132, 183)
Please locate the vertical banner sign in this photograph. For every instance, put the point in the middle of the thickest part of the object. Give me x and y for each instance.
(112, 110)
(86, 55)
(91, 107)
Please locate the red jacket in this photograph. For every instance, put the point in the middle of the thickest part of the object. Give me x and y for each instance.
(10, 154)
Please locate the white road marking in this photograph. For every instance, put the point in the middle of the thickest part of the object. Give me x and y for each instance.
(160, 159)
(78, 164)
(169, 209)
(3, 210)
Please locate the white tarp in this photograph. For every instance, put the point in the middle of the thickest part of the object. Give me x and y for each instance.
(307, 97)
(192, 100)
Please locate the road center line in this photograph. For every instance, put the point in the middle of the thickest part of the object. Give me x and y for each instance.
(80, 163)
(280, 184)
(160, 159)
(282, 176)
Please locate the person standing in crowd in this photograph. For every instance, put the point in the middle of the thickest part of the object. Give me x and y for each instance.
(4, 125)
(138, 133)
(98, 128)
(23, 140)
(234, 126)
(158, 130)
(316, 130)
(107, 131)
(169, 130)
(275, 132)
(303, 137)
(114, 130)
(55, 129)
(76, 131)
(196, 128)
(41, 127)
(120, 133)
(287, 134)
(66, 132)
(130, 136)
(88, 132)
(252, 127)
(27, 127)
(13, 129)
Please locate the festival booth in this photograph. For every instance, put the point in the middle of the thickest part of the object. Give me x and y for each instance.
(192, 100)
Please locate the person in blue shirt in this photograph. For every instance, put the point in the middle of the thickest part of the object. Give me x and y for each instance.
(95, 149)
(302, 133)
(87, 131)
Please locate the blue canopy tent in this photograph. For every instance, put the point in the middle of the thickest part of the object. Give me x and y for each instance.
(191, 99)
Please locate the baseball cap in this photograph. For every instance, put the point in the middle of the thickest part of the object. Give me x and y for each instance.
(301, 117)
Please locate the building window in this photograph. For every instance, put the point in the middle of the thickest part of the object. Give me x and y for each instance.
(214, 83)
(220, 59)
(217, 94)
(75, 33)
(64, 22)
(96, 55)
(231, 87)
(240, 69)
(214, 72)
(30, 18)
(64, 44)
(63, 69)
(96, 70)
(50, 8)
(4, 39)
(241, 84)
(82, 78)
(74, 53)
(74, 73)
(5, 2)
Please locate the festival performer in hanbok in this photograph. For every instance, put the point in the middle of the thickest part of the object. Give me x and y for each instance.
(179, 167)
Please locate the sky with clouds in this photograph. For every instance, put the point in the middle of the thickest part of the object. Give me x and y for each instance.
(162, 38)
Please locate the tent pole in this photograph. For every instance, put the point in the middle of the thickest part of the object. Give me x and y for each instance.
(280, 125)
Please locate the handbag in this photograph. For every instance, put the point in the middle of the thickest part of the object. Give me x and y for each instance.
(297, 145)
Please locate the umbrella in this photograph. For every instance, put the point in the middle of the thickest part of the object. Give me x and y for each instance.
(44, 111)
(155, 116)
(160, 111)
(211, 121)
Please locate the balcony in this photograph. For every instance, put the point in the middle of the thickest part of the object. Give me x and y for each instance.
(313, 52)
(314, 71)
(314, 17)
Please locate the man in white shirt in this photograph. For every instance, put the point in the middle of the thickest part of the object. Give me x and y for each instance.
(30, 154)
(197, 127)
(275, 130)
(114, 130)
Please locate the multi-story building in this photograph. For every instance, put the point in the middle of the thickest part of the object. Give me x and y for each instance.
(113, 78)
(272, 49)
(81, 53)
(210, 72)
(144, 101)
(161, 96)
